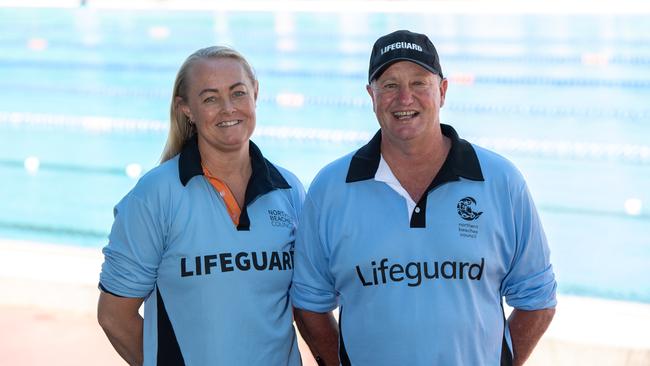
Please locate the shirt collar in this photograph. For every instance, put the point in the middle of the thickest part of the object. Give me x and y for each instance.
(264, 178)
(460, 162)
(383, 173)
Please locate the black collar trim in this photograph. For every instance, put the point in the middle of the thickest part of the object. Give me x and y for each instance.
(264, 178)
(461, 161)
(265, 174)
(189, 162)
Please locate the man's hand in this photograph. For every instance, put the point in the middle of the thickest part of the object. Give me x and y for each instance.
(320, 332)
(526, 329)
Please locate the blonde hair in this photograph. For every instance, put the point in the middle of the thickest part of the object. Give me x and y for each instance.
(180, 129)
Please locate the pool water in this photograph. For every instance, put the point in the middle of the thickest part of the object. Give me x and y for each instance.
(84, 98)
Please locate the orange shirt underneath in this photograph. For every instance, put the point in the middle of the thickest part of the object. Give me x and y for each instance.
(231, 203)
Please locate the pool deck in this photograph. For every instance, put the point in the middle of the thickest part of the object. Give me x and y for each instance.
(49, 294)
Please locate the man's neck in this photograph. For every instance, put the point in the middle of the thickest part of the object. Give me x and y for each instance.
(416, 163)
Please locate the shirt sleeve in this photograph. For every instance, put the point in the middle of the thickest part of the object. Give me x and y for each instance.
(134, 251)
(298, 195)
(530, 283)
(313, 285)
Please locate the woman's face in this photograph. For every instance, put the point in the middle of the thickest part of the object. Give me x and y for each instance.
(221, 103)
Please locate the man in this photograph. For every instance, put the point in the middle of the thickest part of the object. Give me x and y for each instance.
(418, 236)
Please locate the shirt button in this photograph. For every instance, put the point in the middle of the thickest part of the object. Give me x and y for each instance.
(417, 209)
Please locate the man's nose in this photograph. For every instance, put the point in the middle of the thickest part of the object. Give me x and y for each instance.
(405, 95)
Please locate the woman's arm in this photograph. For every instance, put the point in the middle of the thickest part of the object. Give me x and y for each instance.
(122, 323)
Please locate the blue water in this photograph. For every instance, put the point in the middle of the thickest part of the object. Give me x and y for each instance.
(564, 97)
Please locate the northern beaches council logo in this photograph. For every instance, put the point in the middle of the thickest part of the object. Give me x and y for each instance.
(280, 218)
(466, 210)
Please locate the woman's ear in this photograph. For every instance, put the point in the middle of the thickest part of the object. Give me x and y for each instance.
(180, 104)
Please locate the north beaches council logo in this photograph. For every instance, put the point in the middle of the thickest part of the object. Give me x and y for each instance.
(280, 218)
(466, 210)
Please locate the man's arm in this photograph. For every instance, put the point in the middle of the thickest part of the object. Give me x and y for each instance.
(123, 325)
(320, 332)
(526, 328)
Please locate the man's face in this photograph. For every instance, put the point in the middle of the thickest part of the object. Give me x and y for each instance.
(406, 99)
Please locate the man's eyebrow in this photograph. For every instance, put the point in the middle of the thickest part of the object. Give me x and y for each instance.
(233, 86)
(212, 90)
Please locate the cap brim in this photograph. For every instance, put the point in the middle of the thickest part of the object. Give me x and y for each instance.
(387, 64)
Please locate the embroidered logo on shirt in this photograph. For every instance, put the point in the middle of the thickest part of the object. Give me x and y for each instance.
(280, 218)
(465, 210)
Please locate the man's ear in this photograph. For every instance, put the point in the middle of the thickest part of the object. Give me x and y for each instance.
(443, 91)
(371, 92)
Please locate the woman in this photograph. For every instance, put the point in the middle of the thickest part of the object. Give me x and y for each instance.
(206, 238)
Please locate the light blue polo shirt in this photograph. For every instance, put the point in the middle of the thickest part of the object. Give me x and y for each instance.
(424, 289)
(215, 294)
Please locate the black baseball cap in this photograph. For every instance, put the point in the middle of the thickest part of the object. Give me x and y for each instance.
(403, 45)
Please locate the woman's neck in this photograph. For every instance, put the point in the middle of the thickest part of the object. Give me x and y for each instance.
(226, 165)
(233, 168)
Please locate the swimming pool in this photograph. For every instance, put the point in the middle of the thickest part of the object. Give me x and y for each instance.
(84, 103)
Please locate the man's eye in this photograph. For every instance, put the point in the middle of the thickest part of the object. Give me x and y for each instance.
(239, 93)
(209, 100)
(390, 86)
